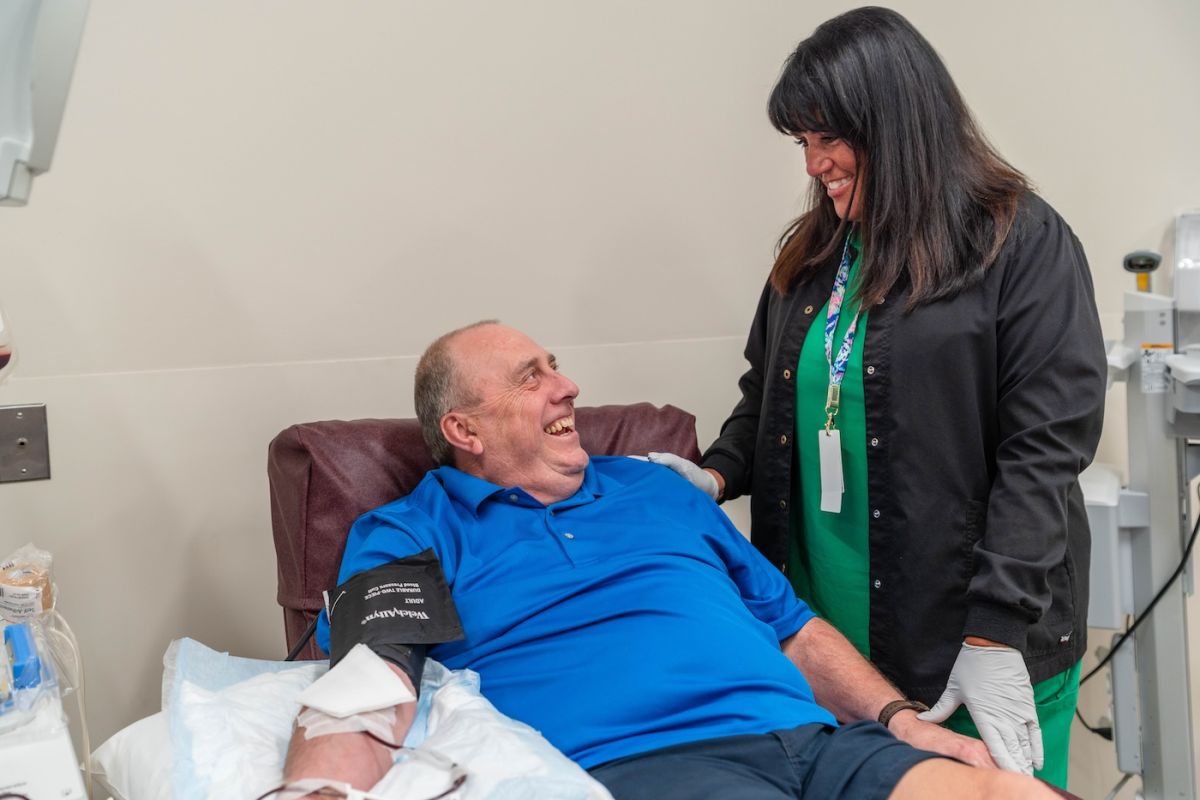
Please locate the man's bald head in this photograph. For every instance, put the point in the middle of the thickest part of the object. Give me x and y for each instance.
(439, 389)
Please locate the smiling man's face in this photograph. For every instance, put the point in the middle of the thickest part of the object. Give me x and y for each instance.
(521, 432)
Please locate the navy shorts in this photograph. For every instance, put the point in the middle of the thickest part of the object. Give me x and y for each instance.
(858, 761)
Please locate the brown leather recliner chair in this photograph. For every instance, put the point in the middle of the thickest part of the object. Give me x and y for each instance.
(324, 475)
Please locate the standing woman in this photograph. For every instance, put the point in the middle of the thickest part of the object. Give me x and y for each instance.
(926, 383)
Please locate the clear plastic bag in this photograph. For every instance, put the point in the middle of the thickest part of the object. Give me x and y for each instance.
(26, 584)
(28, 595)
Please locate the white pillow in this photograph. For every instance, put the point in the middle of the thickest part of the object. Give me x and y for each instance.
(240, 734)
(145, 759)
(135, 764)
(236, 744)
(190, 662)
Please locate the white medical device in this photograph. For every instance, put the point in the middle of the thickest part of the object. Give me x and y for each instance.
(1140, 530)
(37, 758)
(39, 42)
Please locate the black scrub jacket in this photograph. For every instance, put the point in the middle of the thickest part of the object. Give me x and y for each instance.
(981, 411)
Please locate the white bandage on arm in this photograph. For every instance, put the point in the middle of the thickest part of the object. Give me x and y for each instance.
(359, 694)
(380, 724)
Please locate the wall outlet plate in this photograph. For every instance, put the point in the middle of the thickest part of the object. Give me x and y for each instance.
(24, 443)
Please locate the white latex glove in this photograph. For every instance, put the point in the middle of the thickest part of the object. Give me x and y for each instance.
(694, 475)
(994, 684)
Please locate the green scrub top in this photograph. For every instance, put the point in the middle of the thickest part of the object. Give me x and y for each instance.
(829, 560)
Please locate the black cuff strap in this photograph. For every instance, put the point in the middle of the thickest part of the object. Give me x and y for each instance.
(397, 609)
(896, 706)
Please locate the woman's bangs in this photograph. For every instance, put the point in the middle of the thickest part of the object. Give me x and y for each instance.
(803, 102)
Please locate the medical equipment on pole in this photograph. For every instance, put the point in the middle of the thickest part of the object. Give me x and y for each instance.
(1141, 536)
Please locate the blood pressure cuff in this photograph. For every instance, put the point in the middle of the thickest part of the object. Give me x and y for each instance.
(396, 609)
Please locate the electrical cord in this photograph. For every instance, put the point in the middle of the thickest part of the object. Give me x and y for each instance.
(1106, 731)
(1103, 731)
(304, 637)
(1187, 552)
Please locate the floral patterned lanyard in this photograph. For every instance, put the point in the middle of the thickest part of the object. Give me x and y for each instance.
(837, 366)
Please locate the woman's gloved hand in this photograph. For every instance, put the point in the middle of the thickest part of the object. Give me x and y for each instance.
(994, 684)
(700, 478)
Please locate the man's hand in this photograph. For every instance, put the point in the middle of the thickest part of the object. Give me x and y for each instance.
(703, 479)
(994, 684)
(927, 736)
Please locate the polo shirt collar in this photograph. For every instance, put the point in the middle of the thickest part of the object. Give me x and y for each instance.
(472, 491)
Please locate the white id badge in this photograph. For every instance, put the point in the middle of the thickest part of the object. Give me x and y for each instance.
(831, 470)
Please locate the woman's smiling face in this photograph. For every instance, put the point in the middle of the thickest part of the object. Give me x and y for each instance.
(833, 162)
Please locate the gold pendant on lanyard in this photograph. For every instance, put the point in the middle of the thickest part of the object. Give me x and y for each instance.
(832, 400)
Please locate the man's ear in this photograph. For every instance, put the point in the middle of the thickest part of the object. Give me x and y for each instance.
(459, 431)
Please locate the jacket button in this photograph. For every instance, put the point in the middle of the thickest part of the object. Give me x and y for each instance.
(870, 370)
(878, 584)
(875, 513)
(808, 309)
(874, 442)
(787, 374)
(783, 439)
(783, 504)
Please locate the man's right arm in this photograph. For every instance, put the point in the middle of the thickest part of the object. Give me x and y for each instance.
(357, 758)
(851, 688)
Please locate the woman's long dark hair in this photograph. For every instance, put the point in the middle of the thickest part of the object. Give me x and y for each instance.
(938, 200)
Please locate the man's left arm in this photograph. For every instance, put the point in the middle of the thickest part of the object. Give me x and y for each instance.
(851, 688)
(357, 758)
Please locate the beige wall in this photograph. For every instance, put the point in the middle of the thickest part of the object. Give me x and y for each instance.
(260, 212)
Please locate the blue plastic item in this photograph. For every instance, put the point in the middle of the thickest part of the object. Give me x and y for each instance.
(26, 666)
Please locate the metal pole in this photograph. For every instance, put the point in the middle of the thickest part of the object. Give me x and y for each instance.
(1156, 467)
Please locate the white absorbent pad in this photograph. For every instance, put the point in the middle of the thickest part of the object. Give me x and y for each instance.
(362, 681)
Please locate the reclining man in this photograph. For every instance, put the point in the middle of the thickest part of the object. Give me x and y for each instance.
(613, 607)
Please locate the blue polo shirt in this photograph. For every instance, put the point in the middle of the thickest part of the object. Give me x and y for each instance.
(630, 616)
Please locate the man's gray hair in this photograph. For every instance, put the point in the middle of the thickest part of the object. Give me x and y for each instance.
(438, 391)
